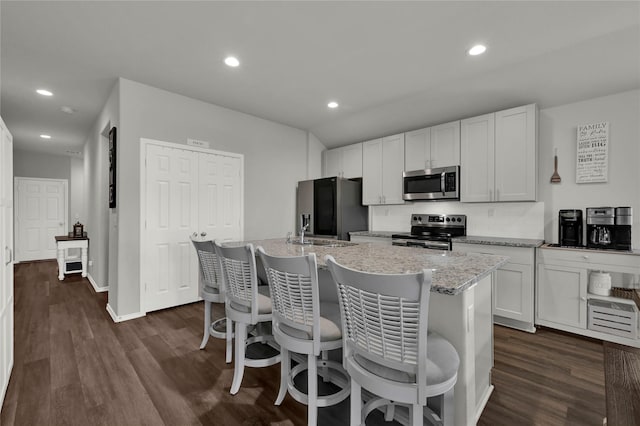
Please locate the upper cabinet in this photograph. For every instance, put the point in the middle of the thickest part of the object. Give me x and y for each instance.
(343, 162)
(437, 146)
(498, 156)
(382, 167)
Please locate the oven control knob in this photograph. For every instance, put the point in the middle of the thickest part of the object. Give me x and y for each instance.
(415, 218)
(459, 220)
(448, 219)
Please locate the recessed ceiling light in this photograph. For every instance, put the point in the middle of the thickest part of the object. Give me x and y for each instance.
(232, 61)
(478, 49)
(44, 92)
(332, 104)
(45, 136)
(67, 109)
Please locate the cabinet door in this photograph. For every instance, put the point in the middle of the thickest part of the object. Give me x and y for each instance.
(392, 168)
(513, 292)
(332, 164)
(477, 159)
(372, 172)
(562, 295)
(352, 161)
(515, 166)
(445, 145)
(417, 145)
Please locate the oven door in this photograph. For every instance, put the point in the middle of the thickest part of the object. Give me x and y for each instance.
(431, 184)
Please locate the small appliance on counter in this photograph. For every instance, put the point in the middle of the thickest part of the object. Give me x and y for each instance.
(570, 228)
(609, 228)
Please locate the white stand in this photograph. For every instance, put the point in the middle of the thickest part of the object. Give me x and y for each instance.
(64, 243)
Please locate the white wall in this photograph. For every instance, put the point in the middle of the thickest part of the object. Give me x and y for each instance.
(558, 129)
(275, 159)
(77, 193)
(48, 166)
(314, 157)
(96, 189)
(521, 220)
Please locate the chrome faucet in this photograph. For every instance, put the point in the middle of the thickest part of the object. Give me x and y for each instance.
(304, 225)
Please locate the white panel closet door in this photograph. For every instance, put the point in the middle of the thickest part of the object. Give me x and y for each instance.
(41, 215)
(219, 197)
(169, 265)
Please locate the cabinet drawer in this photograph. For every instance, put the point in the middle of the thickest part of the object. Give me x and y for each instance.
(589, 257)
(522, 255)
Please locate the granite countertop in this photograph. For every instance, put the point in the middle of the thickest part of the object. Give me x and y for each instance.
(635, 252)
(381, 234)
(453, 272)
(498, 241)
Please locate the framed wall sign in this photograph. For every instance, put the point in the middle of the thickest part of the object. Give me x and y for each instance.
(592, 159)
(112, 168)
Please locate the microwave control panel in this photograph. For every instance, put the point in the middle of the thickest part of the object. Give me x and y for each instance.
(450, 182)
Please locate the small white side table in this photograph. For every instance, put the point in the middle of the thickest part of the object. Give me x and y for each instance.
(65, 242)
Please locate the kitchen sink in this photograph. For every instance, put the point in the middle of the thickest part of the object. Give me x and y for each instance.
(323, 243)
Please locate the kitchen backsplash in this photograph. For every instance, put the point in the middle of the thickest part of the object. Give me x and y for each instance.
(509, 220)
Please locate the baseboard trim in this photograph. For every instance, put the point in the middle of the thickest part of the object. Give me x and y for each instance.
(95, 286)
(122, 318)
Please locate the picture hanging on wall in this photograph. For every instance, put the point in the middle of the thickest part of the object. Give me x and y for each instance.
(112, 168)
(592, 160)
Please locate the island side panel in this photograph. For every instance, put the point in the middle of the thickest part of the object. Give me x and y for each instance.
(465, 320)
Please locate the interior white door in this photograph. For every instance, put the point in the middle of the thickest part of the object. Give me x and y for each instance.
(219, 196)
(41, 214)
(169, 263)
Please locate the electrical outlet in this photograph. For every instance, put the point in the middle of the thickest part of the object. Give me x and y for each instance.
(91, 263)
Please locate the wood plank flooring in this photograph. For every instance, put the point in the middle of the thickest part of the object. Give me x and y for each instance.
(73, 365)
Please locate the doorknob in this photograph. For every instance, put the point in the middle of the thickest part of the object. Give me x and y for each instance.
(203, 234)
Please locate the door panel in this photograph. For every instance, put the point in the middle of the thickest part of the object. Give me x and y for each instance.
(186, 192)
(40, 216)
(170, 278)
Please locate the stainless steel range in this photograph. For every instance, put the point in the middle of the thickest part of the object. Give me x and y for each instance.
(432, 231)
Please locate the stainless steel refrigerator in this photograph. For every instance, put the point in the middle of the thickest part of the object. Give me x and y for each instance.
(335, 206)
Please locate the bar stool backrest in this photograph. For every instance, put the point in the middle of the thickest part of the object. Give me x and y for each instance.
(238, 271)
(208, 263)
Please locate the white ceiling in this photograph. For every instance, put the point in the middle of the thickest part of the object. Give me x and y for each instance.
(392, 66)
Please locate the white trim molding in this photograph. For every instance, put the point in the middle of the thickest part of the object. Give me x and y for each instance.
(122, 318)
(95, 286)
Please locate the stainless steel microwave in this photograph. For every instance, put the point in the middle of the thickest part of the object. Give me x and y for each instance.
(432, 184)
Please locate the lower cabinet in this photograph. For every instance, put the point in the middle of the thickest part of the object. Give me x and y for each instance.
(513, 284)
(563, 298)
(562, 295)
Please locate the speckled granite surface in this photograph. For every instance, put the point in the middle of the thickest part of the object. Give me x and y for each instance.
(496, 241)
(382, 234)
(453, 272)
(635, 252)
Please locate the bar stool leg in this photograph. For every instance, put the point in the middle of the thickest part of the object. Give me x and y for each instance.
(285, 369)
(356, 404)
(207, 323)
(312, 390)
(229, 336)
(238, 369)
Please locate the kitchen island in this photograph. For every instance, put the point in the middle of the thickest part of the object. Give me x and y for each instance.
(459, 308)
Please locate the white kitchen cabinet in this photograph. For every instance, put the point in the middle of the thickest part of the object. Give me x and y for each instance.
(6, 258)
(562, 295)
(343, 162)
(513, 284)
(437, 146)
(498, 156)
(382, 167)
(562, 279)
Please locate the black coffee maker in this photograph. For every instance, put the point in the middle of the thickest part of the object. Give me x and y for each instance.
(600, 227)
(570, 228)
(622, 229)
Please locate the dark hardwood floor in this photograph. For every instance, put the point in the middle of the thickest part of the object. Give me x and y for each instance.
(73, 365)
